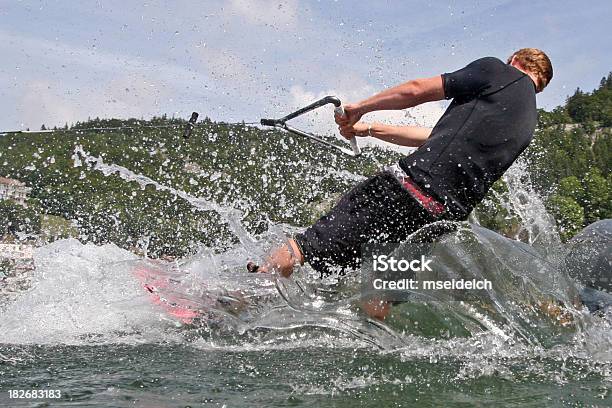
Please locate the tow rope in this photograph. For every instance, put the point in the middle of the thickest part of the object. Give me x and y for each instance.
(189, 126)
(275, 123)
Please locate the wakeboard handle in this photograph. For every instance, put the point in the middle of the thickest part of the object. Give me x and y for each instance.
(339, 110)
(281, 123)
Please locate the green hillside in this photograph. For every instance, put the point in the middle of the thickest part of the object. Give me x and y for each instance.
(267, 175)
(570, 158)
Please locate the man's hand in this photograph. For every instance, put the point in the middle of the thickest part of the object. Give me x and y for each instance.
(352, 114)
(357, 129)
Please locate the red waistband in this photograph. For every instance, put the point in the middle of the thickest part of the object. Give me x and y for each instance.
(427, 201)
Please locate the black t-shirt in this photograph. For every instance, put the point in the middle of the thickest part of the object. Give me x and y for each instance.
(486, 127)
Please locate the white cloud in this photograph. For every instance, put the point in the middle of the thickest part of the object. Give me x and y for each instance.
(75, 83)
(133, 96)
(280, 14)
(225, 65)
(41, 104)
(75, 58)
(46, 102)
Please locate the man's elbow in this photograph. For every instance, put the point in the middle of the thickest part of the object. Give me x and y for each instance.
(424, 89)
(412, 89)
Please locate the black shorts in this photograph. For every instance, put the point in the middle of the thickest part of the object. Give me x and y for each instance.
(377, 210)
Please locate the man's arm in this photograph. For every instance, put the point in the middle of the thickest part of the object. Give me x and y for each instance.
(406, 95)
(411, 136)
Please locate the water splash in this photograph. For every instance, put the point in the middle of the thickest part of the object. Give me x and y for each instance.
(77, 294)
(85, 294)
(537, 227)
(230, 215)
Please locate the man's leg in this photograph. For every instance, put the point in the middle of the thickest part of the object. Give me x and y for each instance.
(283, 260)
(379, 209)
(334, 240)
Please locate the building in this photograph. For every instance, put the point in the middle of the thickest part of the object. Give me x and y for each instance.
(15, 190)
(16, 251)
(16, 270)
(21, 260)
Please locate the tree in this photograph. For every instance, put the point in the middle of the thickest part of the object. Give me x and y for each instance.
(568, 214)
(571, 160)
(597, 189)
(571, 187)
(15, 219)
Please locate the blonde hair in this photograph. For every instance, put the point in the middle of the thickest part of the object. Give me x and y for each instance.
(536, 62)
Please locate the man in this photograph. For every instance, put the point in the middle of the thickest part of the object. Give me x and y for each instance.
(486, 127)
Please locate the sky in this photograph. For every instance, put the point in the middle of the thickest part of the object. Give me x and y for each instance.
(239, 60)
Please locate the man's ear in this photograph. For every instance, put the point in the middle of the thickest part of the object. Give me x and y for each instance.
(515, 63)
